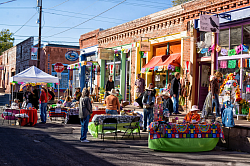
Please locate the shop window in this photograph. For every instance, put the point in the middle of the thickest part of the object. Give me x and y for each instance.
(205, 42)
(246, 35)
(224, 39)
(235, 37)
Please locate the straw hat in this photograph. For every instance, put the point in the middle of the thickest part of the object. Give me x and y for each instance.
(113, 92)
(218, 74)
(165, 94)
(194, 108)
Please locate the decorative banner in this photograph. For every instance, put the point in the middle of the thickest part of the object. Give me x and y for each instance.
(218, 48)
(34, 53)
(147, 69)
(143, 70)
(145, 46)
(156, 68)
(223, 64)
(151, 68)
(239, 63)
(209, 23)
(231, 64)
(123, 49)
(106, 54)
(160, 68)
(145, 54)
(223, 51)
(211, 48)
(201, 44)
(231, 52)
(187, 66)
(177, 69)
(239, 49)
(71, 55)
(204, 50)
(245, 48)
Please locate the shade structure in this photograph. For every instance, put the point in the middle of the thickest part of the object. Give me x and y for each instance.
(173, 59)
(33, 74)
(155, 61)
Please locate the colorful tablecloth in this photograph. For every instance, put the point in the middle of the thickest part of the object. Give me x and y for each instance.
(185, 131)
(32, 120)
(11, 114)
(98, 119)
(62, 113)
(99, 112)
(184, 137)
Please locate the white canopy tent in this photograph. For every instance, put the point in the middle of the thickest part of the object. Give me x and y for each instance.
(33, 74)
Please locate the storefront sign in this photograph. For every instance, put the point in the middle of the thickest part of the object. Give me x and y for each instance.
(187, 66)
(111, 69)
(59, 67)
(71, 55)
(106, 54)
(34, 53)
(145, 46)
(209, 23)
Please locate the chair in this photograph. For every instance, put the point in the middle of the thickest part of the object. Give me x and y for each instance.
(10, 115)
(106, 126)
(132, 127)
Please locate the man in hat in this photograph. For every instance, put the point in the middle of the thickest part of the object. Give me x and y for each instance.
(215, 88)
(175, 91)
(192, 115)
(112, 103)
(77, 94)
(148, 104)
(167, 102)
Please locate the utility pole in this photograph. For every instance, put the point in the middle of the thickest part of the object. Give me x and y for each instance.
(39, 4)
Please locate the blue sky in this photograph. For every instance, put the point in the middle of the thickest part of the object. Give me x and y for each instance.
(60, 15)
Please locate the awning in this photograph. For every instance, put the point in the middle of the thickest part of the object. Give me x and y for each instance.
(173, 59)
(155, 61)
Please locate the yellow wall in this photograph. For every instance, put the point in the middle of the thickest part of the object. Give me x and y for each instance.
(149, 76)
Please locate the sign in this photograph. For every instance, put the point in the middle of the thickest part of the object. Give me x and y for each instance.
(111, 69)
(209, 23)
(106, 54)
(1, 67)
(59, 75)
(187, 66)
(145, 46)
(59, 67)
(34, 53)
(71, 55)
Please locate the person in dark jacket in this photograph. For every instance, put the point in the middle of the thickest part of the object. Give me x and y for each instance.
(35, 101)
(85, 111)
(167, 102)
(109, 86)
(175, 91)
(29, 97)
(215, 88)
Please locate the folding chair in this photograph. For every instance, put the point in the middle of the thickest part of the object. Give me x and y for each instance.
(106, 126)
(133, 127)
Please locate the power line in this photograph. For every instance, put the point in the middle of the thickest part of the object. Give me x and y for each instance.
(47, 37)
(57, 5)
(43, 26)
(25, 23)
(17, 8)
(88, 19)
(6, 2)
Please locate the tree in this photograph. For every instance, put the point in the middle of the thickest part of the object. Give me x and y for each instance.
(178, 2)
(6, 40)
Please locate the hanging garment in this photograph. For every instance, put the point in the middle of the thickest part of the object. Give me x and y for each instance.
(223, 64)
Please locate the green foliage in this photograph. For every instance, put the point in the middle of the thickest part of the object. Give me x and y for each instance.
(178, 2)
(6, 40)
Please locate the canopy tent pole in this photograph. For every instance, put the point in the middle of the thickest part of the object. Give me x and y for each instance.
(11, 93)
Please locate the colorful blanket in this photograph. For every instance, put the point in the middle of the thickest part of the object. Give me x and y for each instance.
(185, 131)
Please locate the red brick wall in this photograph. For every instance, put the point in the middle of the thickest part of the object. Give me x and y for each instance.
(89, 39)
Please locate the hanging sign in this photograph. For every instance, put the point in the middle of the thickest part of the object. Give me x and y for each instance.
(209, 23)
(145, 46)
(59, 75)
(1, 67)
(187, 66)
(71, 55)
(111, 69)
(106, 54)
(59, 67)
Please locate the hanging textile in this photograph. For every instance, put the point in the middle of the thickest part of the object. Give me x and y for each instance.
(239, 63)
(231, 64)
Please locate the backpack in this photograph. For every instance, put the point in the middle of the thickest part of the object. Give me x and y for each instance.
(227, 116)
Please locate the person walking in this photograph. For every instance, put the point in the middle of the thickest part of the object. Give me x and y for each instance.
(215, 92)
(35, 101)
(112, 103)
(140, 85)
(109, 86)
(148, 104)
(85, 110)
(43, 104)
(175, 91)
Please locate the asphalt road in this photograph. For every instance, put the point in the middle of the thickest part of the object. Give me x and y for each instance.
(58, 144)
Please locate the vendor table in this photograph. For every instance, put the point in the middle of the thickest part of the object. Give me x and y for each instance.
(58, 112)
(95, 126)
(184, 137)
(99, 112)
(32, 119)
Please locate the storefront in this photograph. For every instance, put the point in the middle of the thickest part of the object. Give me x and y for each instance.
(120, 68)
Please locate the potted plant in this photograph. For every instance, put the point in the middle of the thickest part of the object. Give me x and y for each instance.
(245, 107)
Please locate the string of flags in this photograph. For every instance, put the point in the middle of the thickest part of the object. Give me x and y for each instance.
(231, 52)
(77, 66)
(160, 68)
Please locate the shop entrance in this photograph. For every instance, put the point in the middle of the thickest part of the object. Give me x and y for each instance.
(205, 72)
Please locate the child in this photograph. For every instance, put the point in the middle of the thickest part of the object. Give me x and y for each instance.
(167, 102)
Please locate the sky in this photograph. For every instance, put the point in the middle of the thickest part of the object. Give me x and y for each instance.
(61, 15)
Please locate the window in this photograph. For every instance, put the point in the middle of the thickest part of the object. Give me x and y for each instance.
(224, 39)
(206, 38)
(246, 35)
(235, 37)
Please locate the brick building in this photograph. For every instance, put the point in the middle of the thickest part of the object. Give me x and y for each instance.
(170, 31)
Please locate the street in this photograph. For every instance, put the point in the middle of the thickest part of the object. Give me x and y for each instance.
(58, 144)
